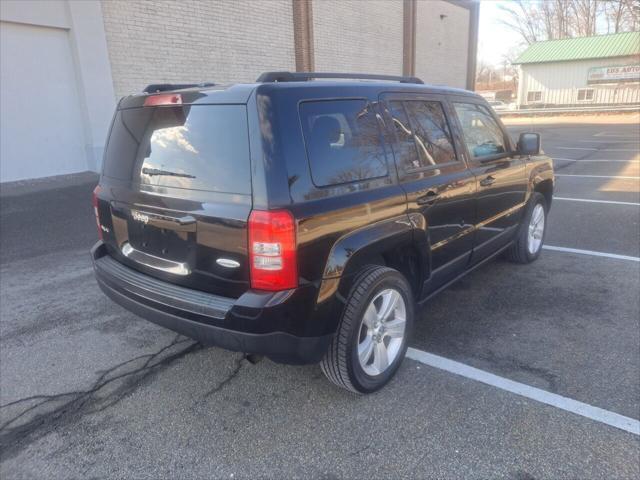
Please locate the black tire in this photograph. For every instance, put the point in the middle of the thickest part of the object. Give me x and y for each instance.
(340, 364)
(519, 252)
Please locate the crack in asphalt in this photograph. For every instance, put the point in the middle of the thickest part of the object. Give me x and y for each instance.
(72, 408)
(234, 373)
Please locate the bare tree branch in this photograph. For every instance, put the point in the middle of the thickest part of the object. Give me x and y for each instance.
(539, 20)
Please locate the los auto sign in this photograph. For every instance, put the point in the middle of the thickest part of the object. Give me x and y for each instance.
(622, 73)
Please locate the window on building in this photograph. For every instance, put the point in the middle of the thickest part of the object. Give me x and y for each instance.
(343, 141)
(534, 96)
(482, 134)
(585, 94)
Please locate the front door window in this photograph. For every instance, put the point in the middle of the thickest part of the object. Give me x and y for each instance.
(482, 134)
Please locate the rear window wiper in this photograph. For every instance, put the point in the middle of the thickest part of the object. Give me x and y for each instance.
(157, 171)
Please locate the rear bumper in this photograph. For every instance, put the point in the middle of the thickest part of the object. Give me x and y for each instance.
(254, 323)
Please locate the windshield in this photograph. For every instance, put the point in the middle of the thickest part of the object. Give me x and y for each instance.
(198, 147)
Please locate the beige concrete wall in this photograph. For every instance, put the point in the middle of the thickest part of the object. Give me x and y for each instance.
(442, 39)
(358, 36)
(559, 82)
(193, 41)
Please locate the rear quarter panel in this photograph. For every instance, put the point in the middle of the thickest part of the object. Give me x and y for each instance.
(327, 217)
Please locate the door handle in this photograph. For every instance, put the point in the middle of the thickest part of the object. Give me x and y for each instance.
(485, 182)
(428, 199)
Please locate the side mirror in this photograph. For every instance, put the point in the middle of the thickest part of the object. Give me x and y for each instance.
(529, 144)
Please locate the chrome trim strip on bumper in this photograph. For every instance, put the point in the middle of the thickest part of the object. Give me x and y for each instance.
(151, 261)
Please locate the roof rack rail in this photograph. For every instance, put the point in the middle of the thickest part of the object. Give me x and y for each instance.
(163, 87)
(268, 77)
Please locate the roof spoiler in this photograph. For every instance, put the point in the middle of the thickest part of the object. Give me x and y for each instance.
(163, 87)
(269, 77)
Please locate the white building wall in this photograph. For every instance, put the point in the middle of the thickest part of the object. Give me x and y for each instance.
(559, 82)
(357, 36)
(195, 41)
(56, 94)
(442, 43)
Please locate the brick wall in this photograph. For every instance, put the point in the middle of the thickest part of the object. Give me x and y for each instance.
(358, 36)
(229, 41)
(442, 43)
(192, 41)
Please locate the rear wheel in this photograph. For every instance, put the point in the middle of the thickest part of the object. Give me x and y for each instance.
(528, 244)
(371, 340)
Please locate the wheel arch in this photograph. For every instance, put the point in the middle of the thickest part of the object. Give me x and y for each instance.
(545, 188)
(541, 178)
(389, 243)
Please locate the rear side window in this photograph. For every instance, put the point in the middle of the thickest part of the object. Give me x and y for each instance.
(198, 147)
(482, 134)
(423, 137)
(343, 141)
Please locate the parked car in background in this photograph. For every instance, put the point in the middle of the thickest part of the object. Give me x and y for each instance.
(499, 105)
(308, 220)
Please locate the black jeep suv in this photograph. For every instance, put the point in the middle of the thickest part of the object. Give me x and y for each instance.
(306, 220)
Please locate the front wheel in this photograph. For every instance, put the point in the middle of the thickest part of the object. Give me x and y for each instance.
(528, 244)
(371, 340)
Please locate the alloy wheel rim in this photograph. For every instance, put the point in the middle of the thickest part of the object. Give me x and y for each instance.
(536, 229)
(382, 332)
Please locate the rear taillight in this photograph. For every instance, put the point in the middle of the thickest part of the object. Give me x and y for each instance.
(165, 99)
(94, 201)
(272, 250)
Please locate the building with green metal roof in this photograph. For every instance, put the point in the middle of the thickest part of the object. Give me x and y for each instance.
(598, 70)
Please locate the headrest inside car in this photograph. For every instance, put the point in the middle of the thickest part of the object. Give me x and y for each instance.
(326, 128)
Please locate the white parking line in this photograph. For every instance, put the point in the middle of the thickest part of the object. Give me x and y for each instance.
(607, 141)
(592, 253)
(594, 149)
(594, 160)
(597, 414)
(617, 177)
(614, 202)
(607, 134)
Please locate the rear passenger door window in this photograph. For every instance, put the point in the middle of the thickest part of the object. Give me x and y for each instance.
(423, 136)
(405, 147)
(432, 134)
(343, 141)
(482, 134)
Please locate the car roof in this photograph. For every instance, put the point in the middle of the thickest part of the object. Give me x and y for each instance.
(369, 86)
(239, 93)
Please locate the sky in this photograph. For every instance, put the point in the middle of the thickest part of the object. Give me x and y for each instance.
(495, 39)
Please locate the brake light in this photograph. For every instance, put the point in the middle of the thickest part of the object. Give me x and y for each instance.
(94, 201)
(272, 250)
(166, 99)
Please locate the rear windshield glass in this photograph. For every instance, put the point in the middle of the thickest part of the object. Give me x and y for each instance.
(343, 141)
(198, 147)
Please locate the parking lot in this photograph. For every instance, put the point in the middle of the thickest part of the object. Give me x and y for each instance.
(89, 390)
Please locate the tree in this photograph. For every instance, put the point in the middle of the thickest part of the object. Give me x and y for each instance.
(585, 16)
(539, 20)
(622, 16)
(525, 19)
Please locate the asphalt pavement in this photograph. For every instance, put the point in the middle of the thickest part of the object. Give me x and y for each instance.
(89, 390)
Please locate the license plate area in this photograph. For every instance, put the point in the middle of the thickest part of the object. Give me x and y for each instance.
(161, 242)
